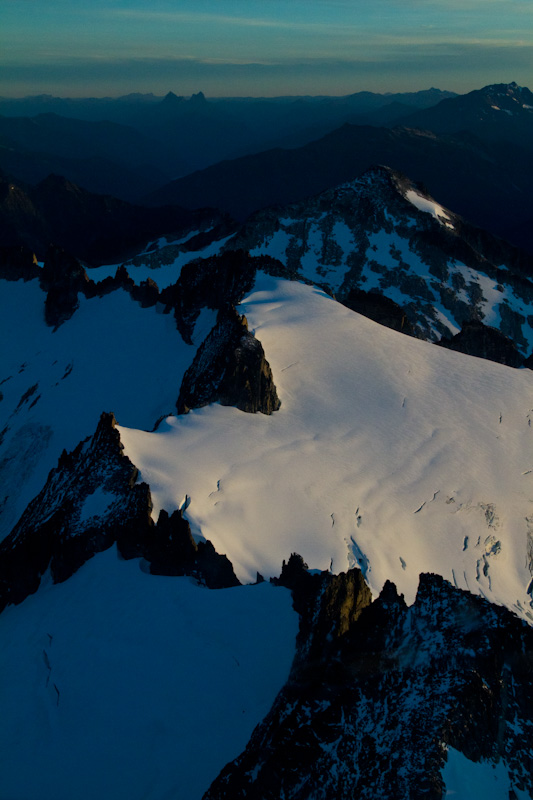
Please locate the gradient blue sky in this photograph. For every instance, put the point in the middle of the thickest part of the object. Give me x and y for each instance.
(261, 47)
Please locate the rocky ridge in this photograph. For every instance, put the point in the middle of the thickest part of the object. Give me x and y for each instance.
(219, 282)
(479, 340)
(380, 691)
(230, 368)
(91, 501)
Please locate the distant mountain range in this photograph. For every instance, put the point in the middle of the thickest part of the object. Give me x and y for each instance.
(128, 146)
(474, 152)
(132, 106)
(103, 157)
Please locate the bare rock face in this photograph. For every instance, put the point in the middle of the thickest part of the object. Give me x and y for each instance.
(328, 606)
(379, 691)
(171, 550)
(146, 293)
(380, 308)
(63, 278)
(477, 339)
(230, 368)
(218, 282)
(89, 502)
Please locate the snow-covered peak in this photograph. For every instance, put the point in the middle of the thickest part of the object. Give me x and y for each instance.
(504, 88)
(506, 97)
(381, 233)
(378, 176)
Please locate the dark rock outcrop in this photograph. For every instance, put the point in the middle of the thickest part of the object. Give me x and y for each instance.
(379, 691)
(145, 293)
(379, 308)
(90, 501)
(477, 339)
(230, 368)
(63, 278)
(328, 606)
(216, 283)
(58, 530)
(171, 550)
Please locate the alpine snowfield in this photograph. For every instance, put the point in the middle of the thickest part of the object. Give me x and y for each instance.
(111, 355)
(388, 453)
(119, 684)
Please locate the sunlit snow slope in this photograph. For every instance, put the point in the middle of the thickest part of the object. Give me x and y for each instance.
(387, 452)
(119, 684)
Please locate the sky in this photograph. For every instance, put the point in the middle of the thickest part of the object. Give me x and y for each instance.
(261, 47)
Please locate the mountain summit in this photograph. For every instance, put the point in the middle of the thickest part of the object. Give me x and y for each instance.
(381, 235)
(502, 111)
(171, 100)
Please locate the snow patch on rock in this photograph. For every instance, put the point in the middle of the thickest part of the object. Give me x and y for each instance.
(429, 207)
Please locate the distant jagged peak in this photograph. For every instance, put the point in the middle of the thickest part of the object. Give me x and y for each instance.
(178, 103)
(198, 99)
(504, 96)
(171, 99)
(504, 88)
(482, 111)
